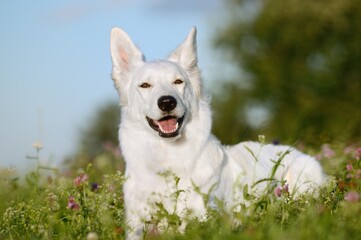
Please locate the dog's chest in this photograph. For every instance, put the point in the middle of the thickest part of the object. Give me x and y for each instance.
(158, 158)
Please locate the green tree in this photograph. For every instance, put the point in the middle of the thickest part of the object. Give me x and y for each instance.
(102, 130)
(302, 64)
(99, 143)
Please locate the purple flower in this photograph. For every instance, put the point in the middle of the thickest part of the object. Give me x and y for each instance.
(94, 187)
(352, 196)
(80, 180)
(72, 204)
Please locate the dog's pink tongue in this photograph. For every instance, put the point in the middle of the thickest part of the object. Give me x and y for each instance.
(168, 125)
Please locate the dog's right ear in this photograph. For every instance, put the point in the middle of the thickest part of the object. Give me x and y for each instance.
(186, 56)
(125, 57)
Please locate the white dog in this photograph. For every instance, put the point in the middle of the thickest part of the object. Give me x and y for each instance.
(165, 128)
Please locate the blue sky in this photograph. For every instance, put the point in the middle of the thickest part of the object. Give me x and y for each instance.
(55, 63)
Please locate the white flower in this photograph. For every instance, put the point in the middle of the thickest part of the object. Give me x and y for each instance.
(92, 236)
(37, 145)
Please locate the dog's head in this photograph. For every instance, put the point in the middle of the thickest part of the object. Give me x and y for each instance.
(159, 94)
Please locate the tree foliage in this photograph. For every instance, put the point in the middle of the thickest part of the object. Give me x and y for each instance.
(302, 65)
(102, 129)
(99, 143)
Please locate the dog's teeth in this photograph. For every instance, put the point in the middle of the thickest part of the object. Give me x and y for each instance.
(167, 132)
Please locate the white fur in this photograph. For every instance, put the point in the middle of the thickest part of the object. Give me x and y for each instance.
(195, 156)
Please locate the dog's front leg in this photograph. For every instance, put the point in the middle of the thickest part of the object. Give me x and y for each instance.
(135, 200)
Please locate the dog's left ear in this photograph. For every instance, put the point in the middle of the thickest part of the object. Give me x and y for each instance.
(186, 56)
(125, 57)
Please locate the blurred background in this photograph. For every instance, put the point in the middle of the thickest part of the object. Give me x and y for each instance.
(290, 70)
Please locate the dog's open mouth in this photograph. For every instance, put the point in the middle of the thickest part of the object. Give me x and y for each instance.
(167, 127)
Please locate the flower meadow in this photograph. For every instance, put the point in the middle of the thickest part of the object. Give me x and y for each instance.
(49, 203)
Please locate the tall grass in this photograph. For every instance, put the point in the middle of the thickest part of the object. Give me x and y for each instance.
(50, 204)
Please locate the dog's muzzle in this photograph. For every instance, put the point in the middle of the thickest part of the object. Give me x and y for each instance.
(170, 125)
(167, 127)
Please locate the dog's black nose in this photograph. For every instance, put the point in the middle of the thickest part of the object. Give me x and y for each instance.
(167, 103)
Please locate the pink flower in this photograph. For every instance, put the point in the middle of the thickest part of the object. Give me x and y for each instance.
(349, 167)
(358, 153)
(278, 191)
(348, 150)
(352, 196)
(72, 204)
(80, 180)
(327, 151)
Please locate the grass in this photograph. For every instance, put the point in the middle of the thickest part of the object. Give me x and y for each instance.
(54, 205)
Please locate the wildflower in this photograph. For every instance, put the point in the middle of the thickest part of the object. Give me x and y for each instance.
(80, 180)
(348, 150)
(327, 151)
(278, 191)
(37, 145)
(349, 167)
(72, 204)
(94, 187)
(92, 236)
(358, 153)
(352, 196)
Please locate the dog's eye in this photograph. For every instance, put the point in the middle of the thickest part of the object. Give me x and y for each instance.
(145, 85)
(178, 81)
